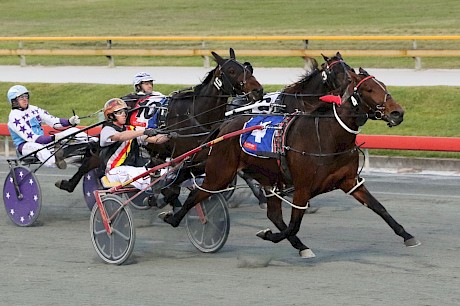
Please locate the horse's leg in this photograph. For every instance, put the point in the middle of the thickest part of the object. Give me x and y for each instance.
(287, 232)
(171, 197)
(195, 196)
(275, 214)
(255, 188)
(89, 162)
(214, 180)
(366, 198)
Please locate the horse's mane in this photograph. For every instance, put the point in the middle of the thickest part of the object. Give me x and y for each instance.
(206, 80)
(298, 86)
(194, 90)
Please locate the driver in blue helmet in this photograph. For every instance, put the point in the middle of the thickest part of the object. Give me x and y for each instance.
(25, 126)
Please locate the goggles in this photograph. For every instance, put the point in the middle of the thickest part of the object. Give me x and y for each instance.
(121, 112)
(23, 96)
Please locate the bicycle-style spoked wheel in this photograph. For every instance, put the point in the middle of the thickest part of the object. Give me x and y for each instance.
(22, 196)
(208, 224)
(114, 248)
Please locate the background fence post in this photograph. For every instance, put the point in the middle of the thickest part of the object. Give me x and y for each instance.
(110, 57)
(206, 61)
(22, 58)
(418, 60)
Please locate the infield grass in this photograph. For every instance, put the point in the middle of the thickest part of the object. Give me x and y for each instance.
(227, 18)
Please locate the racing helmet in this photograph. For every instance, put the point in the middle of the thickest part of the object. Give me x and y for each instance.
(14, 92)
(139, 78)
(112, 106)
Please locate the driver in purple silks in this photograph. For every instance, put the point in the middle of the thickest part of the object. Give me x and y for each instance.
(24, 124)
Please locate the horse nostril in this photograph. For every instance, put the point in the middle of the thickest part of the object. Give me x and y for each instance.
(396, 115)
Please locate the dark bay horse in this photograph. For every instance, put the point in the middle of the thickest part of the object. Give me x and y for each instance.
(319, 155)
(191, 111)
(303, 96)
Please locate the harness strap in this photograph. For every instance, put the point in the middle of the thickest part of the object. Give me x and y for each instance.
(359, 182)
(280, 141)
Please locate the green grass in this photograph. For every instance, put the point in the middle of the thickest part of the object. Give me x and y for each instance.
(227, 18)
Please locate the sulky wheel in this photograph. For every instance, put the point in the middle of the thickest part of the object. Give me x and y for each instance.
(137, 201)
(91, 182)
(114, 248)
(208, 224)
(22, 196)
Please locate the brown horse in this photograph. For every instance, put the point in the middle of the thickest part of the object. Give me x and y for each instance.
(191, 112)
(318, 154)
(303, 95)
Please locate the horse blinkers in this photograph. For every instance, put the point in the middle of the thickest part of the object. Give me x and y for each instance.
(377, 111)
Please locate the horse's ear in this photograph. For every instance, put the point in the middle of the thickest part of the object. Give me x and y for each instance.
(362, 71)
(349, 91)
(219, 59)
(232, 53)
(325, 57)
(339, 55)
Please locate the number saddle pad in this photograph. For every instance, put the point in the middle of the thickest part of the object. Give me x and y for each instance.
(158, 117)
(262, 143)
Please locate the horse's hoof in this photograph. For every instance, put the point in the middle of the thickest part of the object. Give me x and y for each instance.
(164, 214)
(233, 204)
(412, 242)
(263, 233)
(311, 210)
(61, 185)
(263, 206)
(58, 184)
(307, 253)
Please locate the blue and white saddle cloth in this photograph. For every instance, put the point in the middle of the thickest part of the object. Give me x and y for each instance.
(261, 143)
(158, 114)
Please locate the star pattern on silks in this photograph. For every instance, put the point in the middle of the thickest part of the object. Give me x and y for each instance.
(30, 135)
(22, 128)
(88, 177)
(22, 211)
(17, 121)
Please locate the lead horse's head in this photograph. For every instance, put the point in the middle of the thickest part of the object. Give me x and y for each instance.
(234, 78)
(373, 98)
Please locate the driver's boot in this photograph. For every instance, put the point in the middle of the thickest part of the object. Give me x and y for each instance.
(59, 157)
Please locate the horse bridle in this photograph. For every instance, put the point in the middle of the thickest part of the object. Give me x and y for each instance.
(379, 112)
(329, 74)
(225, 83)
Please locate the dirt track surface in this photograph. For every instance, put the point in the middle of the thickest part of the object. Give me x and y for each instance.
(359, 259)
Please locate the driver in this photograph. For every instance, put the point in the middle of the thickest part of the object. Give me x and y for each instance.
(120, 154)
(25, 126)
(143, 95)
